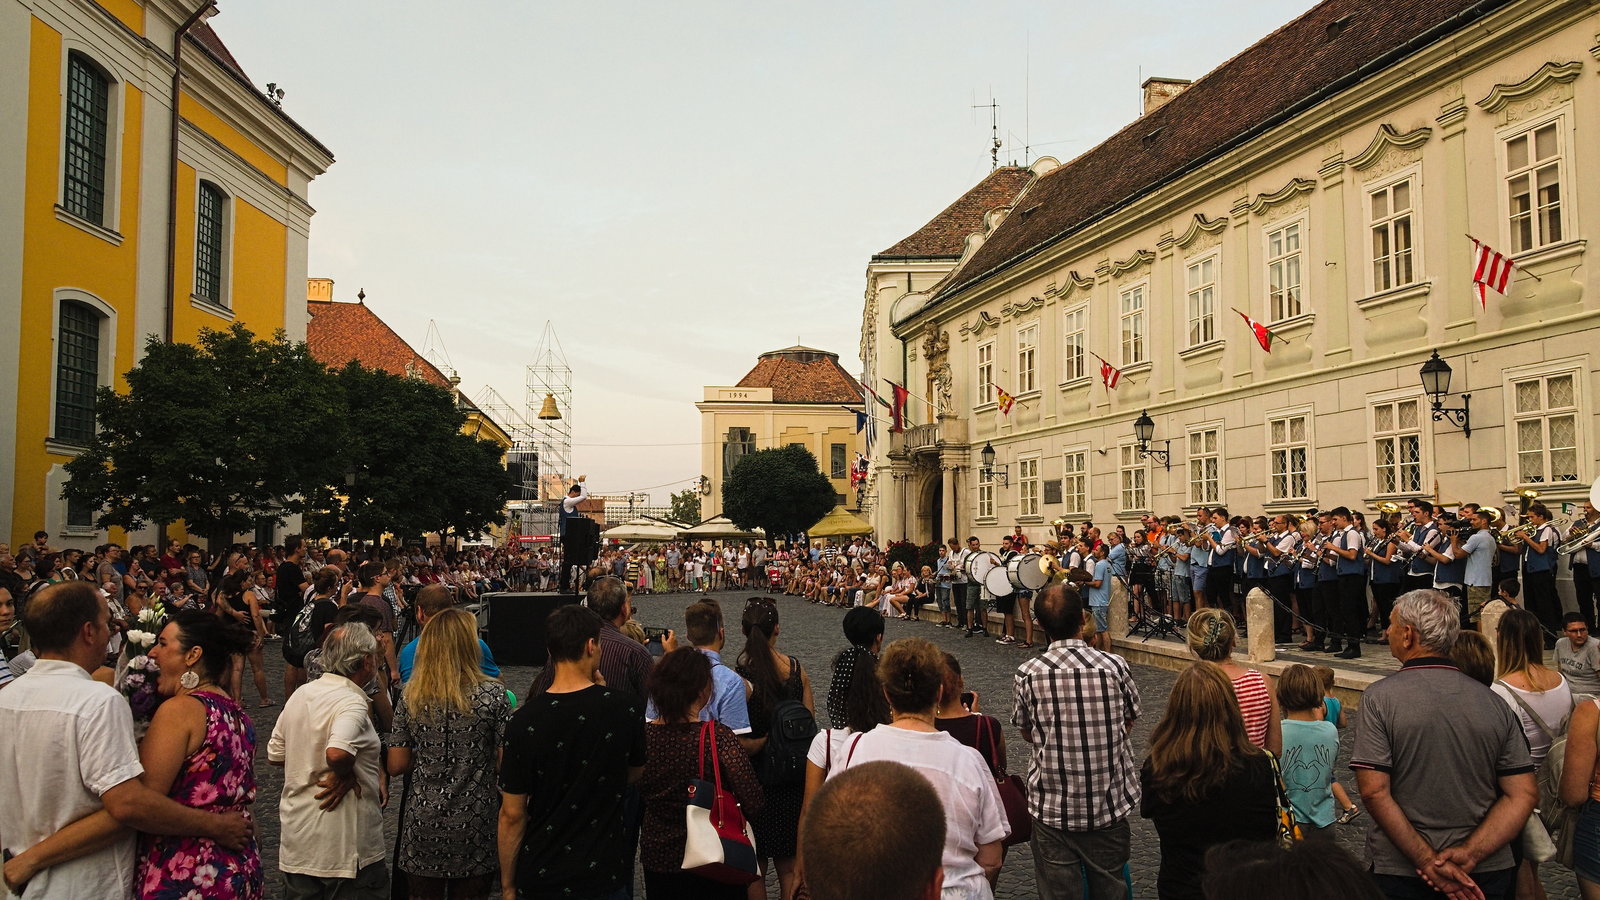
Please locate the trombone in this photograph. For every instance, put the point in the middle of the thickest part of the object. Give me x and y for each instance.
(1575, 543)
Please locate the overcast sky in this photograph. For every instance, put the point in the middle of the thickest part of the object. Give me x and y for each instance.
(680, 186)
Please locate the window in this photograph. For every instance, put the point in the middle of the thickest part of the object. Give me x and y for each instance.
(1397, 446)
(1028, 487)
(985, 495)
(1205, 466)
(88, 113)
(985, 373)
(1027, 358)
(1289, 449)
(1533, 182)
(1072, 343)
(1133, 474)
(1545, 410)
(1202, 282)
(1391, 208)
(1283, 272)
(1075, 482)
(210, 210)
(80, 517)
(738, 443)
(77, 372)
(837, 465)
(1133, 333)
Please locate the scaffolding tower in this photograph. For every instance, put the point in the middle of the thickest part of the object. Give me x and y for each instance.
(549, 375)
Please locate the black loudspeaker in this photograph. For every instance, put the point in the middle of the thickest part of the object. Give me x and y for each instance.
(517, 626)
(580, 544)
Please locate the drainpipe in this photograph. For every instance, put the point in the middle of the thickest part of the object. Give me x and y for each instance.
(195, 18)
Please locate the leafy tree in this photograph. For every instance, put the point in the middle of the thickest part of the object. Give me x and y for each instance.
(221, 434)
(686, 506)
(780, 491)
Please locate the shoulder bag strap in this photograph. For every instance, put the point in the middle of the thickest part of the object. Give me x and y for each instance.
(852, 754)
(994, 747)
(1548, 733)
(827, 747)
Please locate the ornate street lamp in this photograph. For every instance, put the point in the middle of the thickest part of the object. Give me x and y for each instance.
(1435, 374)
(1144, 428)
(990, 471)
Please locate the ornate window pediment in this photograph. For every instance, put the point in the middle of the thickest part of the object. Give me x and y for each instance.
(1122, 267)
(1549, 75)
(1202, 233)
(1021, 306)
(1390, 150)
(983, 322)
(1292, 197)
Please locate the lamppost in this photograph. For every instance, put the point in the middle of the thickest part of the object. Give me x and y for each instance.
(1435, 374)
(1144, 428)
(990, 471)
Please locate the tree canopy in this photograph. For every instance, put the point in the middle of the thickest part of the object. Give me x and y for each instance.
(781, 491)
(686, 506)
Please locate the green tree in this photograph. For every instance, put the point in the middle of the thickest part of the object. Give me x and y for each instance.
(221, 434)
(780, 491)
(686, 506)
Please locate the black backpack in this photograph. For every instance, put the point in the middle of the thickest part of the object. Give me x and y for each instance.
(783, 760)
(301, 641)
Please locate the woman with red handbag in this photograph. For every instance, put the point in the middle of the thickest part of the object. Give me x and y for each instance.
(958, 716)
(679, 759)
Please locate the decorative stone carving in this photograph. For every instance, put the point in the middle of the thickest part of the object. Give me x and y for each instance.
(984, 321)
(943, 384)
(1022, 306)
(1291, 198)
(1550, 75)
(1076, 282)
(1121, 269)
(1389, 151)
(1202, 233)
(935, 346)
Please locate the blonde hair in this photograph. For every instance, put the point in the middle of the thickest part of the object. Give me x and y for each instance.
(1212, 634)
(1200, 738)
(448, 667)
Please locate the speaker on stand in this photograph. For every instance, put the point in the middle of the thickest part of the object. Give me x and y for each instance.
(580, 544)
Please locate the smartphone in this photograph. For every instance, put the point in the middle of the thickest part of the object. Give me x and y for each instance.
(653, 637)
(966, 699)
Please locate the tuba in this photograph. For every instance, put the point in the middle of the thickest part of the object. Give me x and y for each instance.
(1576, 541)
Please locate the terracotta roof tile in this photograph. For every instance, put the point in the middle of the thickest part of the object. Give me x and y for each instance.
(208, 38)
(803, 375)
(1289, 70)
(338, 333)
(945, 235)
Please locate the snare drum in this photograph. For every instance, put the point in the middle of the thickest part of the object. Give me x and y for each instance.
(1026, 573)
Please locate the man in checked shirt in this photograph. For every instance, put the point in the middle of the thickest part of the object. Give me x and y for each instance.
(1075, 706)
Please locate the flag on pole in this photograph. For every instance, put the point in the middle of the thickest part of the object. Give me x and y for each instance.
(897, 412)
(858, 471)
(882, 402)
(872, 429)
(861, 418)
(1109, 374)
(1002, 399)
(1489, 270)
(1263, 336)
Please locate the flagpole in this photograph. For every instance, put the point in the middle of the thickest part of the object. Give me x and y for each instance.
(1519, 268)
(909, 394)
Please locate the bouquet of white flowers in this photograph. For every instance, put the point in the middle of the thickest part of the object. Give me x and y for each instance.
(149, 623)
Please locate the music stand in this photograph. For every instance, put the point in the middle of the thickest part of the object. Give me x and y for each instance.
(1162, 623)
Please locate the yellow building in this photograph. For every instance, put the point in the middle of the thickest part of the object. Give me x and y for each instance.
(120, 220)
(796, 395)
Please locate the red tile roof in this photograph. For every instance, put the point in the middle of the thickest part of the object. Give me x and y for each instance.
(338, 333)
(945, 235)
(803, 375)
(1294, 68)
(208, 38)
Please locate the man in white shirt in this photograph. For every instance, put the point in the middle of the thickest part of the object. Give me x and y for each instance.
(67, 751)
(332, 839)
(1479, 550)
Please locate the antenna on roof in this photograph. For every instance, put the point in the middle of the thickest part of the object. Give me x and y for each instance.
(1027, 99)
(994, 130)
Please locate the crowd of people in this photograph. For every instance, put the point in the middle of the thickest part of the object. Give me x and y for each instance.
(389, 691)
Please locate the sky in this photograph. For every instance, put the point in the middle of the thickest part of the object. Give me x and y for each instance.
(676, 187)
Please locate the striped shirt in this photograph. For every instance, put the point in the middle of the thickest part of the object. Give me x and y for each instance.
(1076, 704)
(1255, 701)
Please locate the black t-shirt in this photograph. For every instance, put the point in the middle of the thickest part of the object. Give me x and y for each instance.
(291, 587)
(1244, 806)
(570, 754)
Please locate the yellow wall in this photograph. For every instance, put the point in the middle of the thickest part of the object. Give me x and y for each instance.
(128, 12)
(230, 137)
(254, 263)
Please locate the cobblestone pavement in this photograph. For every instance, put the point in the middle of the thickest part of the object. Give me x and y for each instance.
(812, 634)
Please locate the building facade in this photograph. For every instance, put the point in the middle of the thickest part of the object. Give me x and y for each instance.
(117, 226)
(797, 395)
(1335, 208)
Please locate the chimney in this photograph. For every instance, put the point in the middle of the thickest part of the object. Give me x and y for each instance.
(319, 290)
(1157, 91)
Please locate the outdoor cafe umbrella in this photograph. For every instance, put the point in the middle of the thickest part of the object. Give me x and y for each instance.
(839, 523)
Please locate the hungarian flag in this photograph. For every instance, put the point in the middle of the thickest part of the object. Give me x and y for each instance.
(1489, 270)
(897, 413)
(1263, 336)
(1109, 374)
(1003, 399)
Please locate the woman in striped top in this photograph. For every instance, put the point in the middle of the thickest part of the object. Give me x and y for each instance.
(1212, 636)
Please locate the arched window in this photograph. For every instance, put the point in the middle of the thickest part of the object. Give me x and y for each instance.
(88, 113)
(211, 206)
(77, 372)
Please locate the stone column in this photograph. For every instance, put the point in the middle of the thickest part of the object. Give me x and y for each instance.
(1258, 616)
(951, 520)
(1118, 619)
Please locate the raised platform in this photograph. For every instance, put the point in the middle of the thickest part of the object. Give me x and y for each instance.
(1350, 676)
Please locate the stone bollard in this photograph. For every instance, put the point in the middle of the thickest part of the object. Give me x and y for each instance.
(1258, 619)
(1489, 621)
(1119, 609)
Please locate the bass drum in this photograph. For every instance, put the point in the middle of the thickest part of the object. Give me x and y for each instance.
(1026, 572)
(979, 564)
(998, 582)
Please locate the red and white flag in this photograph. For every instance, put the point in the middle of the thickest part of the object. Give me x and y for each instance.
(1264, 337)
(1490, 269)
(1109, 374)
(1003, 400)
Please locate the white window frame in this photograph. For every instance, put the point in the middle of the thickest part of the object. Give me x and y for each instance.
(1303, 304)
(984, 355)
(1193, 292)
(1028, 358)
(1562, 116)
(116, 105)
(1075, 480)
(1075, 344)
(230, 206)
(985, 496)
(1133, 479)
(1136, 318)
(1582, 411)
(1411, 175)
(1423, 433)
(1308, 445)
(1215, 456)
(108, 354)
(1028, 487)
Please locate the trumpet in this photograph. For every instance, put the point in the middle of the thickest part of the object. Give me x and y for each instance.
(1530, 528)
(1387, 507)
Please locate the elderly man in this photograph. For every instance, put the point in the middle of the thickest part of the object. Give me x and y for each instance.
(1441, 763)
(67, 751)
(849, 855)
(330, 811)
